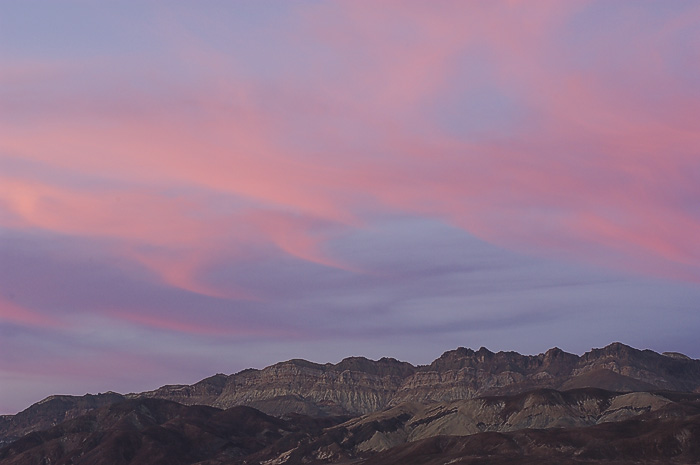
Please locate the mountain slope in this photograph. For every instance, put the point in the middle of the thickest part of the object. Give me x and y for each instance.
(582, 426)
(400, 426)
(655, 438)
(50, 412)
(156, 431)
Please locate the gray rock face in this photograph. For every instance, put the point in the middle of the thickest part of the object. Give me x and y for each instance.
(353, 386)
(464, 374)
(358, 386)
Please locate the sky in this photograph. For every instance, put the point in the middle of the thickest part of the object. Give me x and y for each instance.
(189, 188)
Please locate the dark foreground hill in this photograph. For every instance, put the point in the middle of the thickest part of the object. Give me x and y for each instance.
(589, 426)
(155, 431)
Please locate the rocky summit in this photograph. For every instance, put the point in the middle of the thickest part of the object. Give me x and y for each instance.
(357, 386)
(611, 405)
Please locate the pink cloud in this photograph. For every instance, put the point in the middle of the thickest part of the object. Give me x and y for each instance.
(17, 314)
(298, 236)
(585, 169)
(182, 269)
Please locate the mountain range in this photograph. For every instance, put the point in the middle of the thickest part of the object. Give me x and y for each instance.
(611, 405)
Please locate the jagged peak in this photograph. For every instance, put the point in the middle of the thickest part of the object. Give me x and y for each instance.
(218, 379)
(109, 393)
(617, 349)
(355, 359)
(484, 350)
(246, 371)
(300, 362)
(617, 346)
(556, 352)
(458, 352)
(53, 397)
(647, 358)
(676, 355)
(382, 361)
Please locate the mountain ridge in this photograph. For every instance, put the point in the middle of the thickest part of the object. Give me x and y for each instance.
(357, 385)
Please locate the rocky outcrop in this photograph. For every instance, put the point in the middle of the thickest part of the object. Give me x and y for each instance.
(464, 373)
(204, 392)
(676, 373)
(358, 386)
(354, 386)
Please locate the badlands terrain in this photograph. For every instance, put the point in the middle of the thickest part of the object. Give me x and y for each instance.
(615, 405)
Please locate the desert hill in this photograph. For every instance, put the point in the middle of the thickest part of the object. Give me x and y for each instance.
(358, 386)
(364, 410)
(542, 426)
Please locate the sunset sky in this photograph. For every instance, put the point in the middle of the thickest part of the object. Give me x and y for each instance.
(189, 188)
